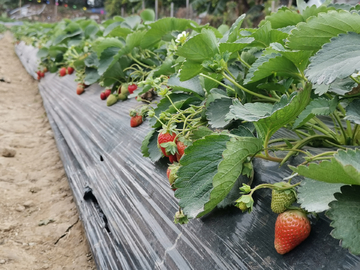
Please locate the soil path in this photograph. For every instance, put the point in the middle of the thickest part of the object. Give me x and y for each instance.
(39, 224)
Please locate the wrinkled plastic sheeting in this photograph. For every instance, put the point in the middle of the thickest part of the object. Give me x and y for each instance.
(127, 206)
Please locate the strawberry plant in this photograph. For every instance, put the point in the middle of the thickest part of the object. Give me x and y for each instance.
(223, 99)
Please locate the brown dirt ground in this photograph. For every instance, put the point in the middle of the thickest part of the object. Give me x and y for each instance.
(39, 222)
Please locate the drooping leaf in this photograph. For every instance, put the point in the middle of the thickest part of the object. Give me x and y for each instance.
(108, 58)
(353, 112)
(199, 166)
(192, 86)
(200, 47)
(343, 167)
(337, 59)
(91, 75)
(271, 64)
(315, 196)
(311, 35)
(92, 61)
(319, 106)
(149, 146)
(267, 118)
(230, 168)
(345, 215)
(216, 112)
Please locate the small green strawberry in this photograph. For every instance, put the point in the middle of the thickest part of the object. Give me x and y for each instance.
(291, 228)
(180, 218)
(282, 199)
(111, 100)
(122, 96)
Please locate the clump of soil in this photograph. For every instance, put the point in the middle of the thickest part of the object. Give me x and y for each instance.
(39, 224)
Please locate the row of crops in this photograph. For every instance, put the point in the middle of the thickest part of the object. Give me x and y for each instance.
(216, 99)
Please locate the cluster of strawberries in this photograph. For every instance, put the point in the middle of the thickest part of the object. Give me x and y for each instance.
(41, 73)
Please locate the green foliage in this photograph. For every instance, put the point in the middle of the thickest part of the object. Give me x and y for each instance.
(344, 213)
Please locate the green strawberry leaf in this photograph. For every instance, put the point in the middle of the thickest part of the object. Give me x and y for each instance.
(200, 132)
(101, 44)
(345, 215)
(271, 64)
(199, 48)
(238, 45)
(315, 10)
(180, 100)
(209, 84)
(192, 86)
(231, 35)
(299, 58)
(190, 69)
(337, 59)
(199, 166)
(91, 75)
(314, 196)
(283, 18)
(265, 35)
(319, 106)
(216, 112)
(353, 112)
(230, 168)
(117, 30)
(317, 31)
(343, 168)
(149, 146)
(92, 61)
(164, 29)
(269, 118)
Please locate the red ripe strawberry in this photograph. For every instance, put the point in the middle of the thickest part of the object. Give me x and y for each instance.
(80, 89)
(291, 228)
(172, 158)
(165, 137)
(41, 74)
(38, 77)
(132, 88)
(136, 121)
(70, 70)
(181, 148)
(107, 92)
(62, 72)
(103, 96)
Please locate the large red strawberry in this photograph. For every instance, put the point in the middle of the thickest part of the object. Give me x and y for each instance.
(103, 96)
(62, 72)
(80, 89)
(166, 137)
(70, 70)
(291, 228)
(107, 92)
(136, 120)
(132, 88)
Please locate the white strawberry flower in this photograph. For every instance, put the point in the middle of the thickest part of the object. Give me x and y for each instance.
(181, 38)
